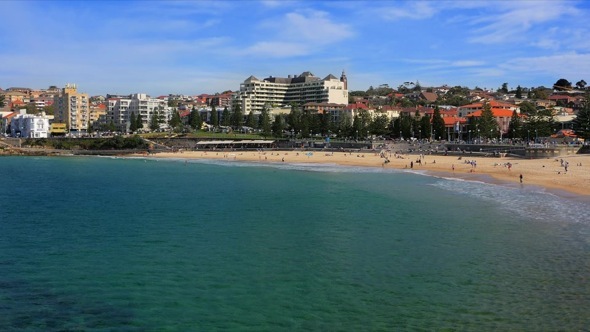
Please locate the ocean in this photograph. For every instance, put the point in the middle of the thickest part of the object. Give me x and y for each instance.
(117, 244)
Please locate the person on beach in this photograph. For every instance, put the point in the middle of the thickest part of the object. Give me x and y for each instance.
(411, 164)
(520, 178)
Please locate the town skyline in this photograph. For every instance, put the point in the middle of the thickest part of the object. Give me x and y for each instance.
(207, 47)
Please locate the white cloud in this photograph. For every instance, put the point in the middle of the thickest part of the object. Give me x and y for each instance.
(467, 63)
(277, 49)
(277, 3)
(510, 20)
(417, 10)
(316, 27)
(298, 34)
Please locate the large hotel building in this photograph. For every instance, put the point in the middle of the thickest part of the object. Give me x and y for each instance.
(271, 92)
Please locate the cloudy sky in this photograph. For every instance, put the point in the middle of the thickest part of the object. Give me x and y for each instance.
(193, 47)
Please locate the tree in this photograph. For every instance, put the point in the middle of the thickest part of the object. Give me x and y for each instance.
(488, 125)
(357, 126)
(264, 122)
(581, 84)
(417, 87)
(425, 126)
(541, 92)
(237, 116)
(518, 92)
(515, 126)
(175, 120)
(132, 122)
(294, 118)
(325, 124)
(504, 88)
(562, 85)
(379, 125)
(49, 110)
(139, 121)
(438, 124)
(214, 117)
(278, 126)
(251, 120)
(539, 123)
(154, 121)
(527, 107)
(581, 122)
(225, 117)
(344, 125)
(406, 125)
(2, 101)
(305, 122)
(194, 119)
(396, 127)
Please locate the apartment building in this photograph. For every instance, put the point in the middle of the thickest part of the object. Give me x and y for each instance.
(72, 108)
(120, 108)
(270, 92)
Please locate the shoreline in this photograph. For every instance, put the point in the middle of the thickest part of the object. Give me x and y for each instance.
(543, 173)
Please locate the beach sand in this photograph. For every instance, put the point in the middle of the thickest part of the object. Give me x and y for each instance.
(548, 173)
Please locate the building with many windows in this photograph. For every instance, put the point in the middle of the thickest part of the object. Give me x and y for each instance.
(271, 92)
(121, 108)
(72, 108)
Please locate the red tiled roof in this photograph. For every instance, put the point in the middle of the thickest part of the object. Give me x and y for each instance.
(451, 121)
(356, 106)
(498, 113)
(492, 103)
(558, 97)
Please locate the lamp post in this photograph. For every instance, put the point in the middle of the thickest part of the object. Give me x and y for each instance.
(469, 136)
(536, 136)
(400, 135)
(420, 134)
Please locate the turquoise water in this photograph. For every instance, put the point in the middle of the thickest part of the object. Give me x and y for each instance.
(129, 244)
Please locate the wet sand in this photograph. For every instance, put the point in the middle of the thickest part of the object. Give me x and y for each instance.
(549, 173)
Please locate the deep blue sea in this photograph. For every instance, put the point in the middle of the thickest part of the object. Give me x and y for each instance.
(112, 244)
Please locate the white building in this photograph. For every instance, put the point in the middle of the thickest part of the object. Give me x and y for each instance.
(120, 109)
(29, 126)
(271, 92)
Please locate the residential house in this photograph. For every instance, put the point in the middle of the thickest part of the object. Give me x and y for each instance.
(29, 126)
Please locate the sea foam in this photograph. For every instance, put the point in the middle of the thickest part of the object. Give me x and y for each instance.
(527, 201)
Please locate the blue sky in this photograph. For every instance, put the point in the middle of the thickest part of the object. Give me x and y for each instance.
(193, 47)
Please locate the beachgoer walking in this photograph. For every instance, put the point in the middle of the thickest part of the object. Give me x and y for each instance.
(520, 178)
(411, 164)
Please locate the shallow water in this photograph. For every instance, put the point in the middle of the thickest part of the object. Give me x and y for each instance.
(132, 244)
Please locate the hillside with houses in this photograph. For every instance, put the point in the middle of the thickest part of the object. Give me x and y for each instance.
(300, 106)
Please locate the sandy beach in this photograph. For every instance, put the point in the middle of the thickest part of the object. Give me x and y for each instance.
(549, 173)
